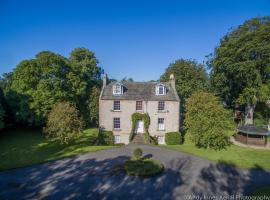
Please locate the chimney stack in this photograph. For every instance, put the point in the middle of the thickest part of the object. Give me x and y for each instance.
(104, 79)
(172, 81)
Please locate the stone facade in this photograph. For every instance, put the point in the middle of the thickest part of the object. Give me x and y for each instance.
(170, 114)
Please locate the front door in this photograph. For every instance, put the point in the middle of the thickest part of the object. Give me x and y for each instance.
(139, 127)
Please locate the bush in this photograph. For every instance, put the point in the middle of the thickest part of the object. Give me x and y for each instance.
(146, 167)
(137, 153)
(64, 123)
(173, 138)
(105, 138)
(208, 124)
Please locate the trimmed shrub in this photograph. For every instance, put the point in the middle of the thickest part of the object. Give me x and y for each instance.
(64, 123)
(143, 167)
(105, 138)
(137, 153)
(173, 138)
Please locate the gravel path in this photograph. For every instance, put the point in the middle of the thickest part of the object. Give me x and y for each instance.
(95, 176)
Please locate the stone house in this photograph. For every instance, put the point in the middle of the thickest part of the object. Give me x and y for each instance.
(119, 100)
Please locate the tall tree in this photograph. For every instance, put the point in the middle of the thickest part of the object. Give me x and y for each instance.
(189, 78)
(93, 106)
(36, 85)
(84, 76)
(207, 122)
(241, 66)
(2, 110)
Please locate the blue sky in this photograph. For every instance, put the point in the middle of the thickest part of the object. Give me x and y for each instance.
(135, 39)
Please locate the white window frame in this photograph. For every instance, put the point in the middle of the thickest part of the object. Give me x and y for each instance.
(117, 89)
(161, 140)
(160, 89)
(115, 107)
(116, 124)
(161, 124)
(159, 105)
(117, 139)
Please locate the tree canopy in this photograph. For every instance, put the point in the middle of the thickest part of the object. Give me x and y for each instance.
(64, 123)
(206, 121)
(36, 85)
(241, 65)
(190, 77)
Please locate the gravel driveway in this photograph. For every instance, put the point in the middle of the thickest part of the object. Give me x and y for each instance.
(95, 176)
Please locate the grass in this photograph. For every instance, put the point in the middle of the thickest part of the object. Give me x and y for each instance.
(19, 148)
(143, 167)
(239, 156)
(262, 191)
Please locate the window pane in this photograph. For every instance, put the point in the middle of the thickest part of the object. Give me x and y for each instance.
(161, 124)
(116, 122)
(161, 105)
(117, 139)
(116, 105)
(138, 105)
(160, 90)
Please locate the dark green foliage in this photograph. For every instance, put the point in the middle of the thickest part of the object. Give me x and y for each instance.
(173, 138)
(137, 153)
(143, 167)
(190, 76)
(2, 115)
(93, 106)
(105, 138)
(240, 65)
(36, 85)
(262, 115)
(2, 110)
(208, 124)
(64, 123)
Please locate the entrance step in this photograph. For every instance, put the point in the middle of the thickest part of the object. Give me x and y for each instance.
(138, 139)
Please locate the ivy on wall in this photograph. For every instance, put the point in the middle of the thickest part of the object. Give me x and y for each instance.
(146, 119)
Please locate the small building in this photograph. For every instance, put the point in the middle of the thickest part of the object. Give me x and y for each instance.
(119, 100)
(252, 135)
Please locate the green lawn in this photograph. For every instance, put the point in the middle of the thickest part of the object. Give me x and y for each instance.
(262, 192)
(27, 147)
(234, 155)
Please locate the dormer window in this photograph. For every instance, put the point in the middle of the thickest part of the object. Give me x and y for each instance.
(160, 89)
(117, 89)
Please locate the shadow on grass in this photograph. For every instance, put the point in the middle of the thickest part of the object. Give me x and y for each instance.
(27, 147)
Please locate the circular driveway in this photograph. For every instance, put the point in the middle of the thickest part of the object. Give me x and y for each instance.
(96, 176)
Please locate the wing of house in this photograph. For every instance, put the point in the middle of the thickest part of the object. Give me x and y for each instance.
(119, 100)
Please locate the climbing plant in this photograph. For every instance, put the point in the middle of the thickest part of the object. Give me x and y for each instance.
(146, 119)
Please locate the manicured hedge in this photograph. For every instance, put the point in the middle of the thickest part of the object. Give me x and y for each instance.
(105, 138)
(143, 167)
(172, 138)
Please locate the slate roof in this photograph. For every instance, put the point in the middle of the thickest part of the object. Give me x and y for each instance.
(253, 130)
(139, 91)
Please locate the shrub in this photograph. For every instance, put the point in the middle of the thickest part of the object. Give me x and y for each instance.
(64, 123)
(145, 168)
(105, 138)
(137, 153)
(173, 138)
(208, 123)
